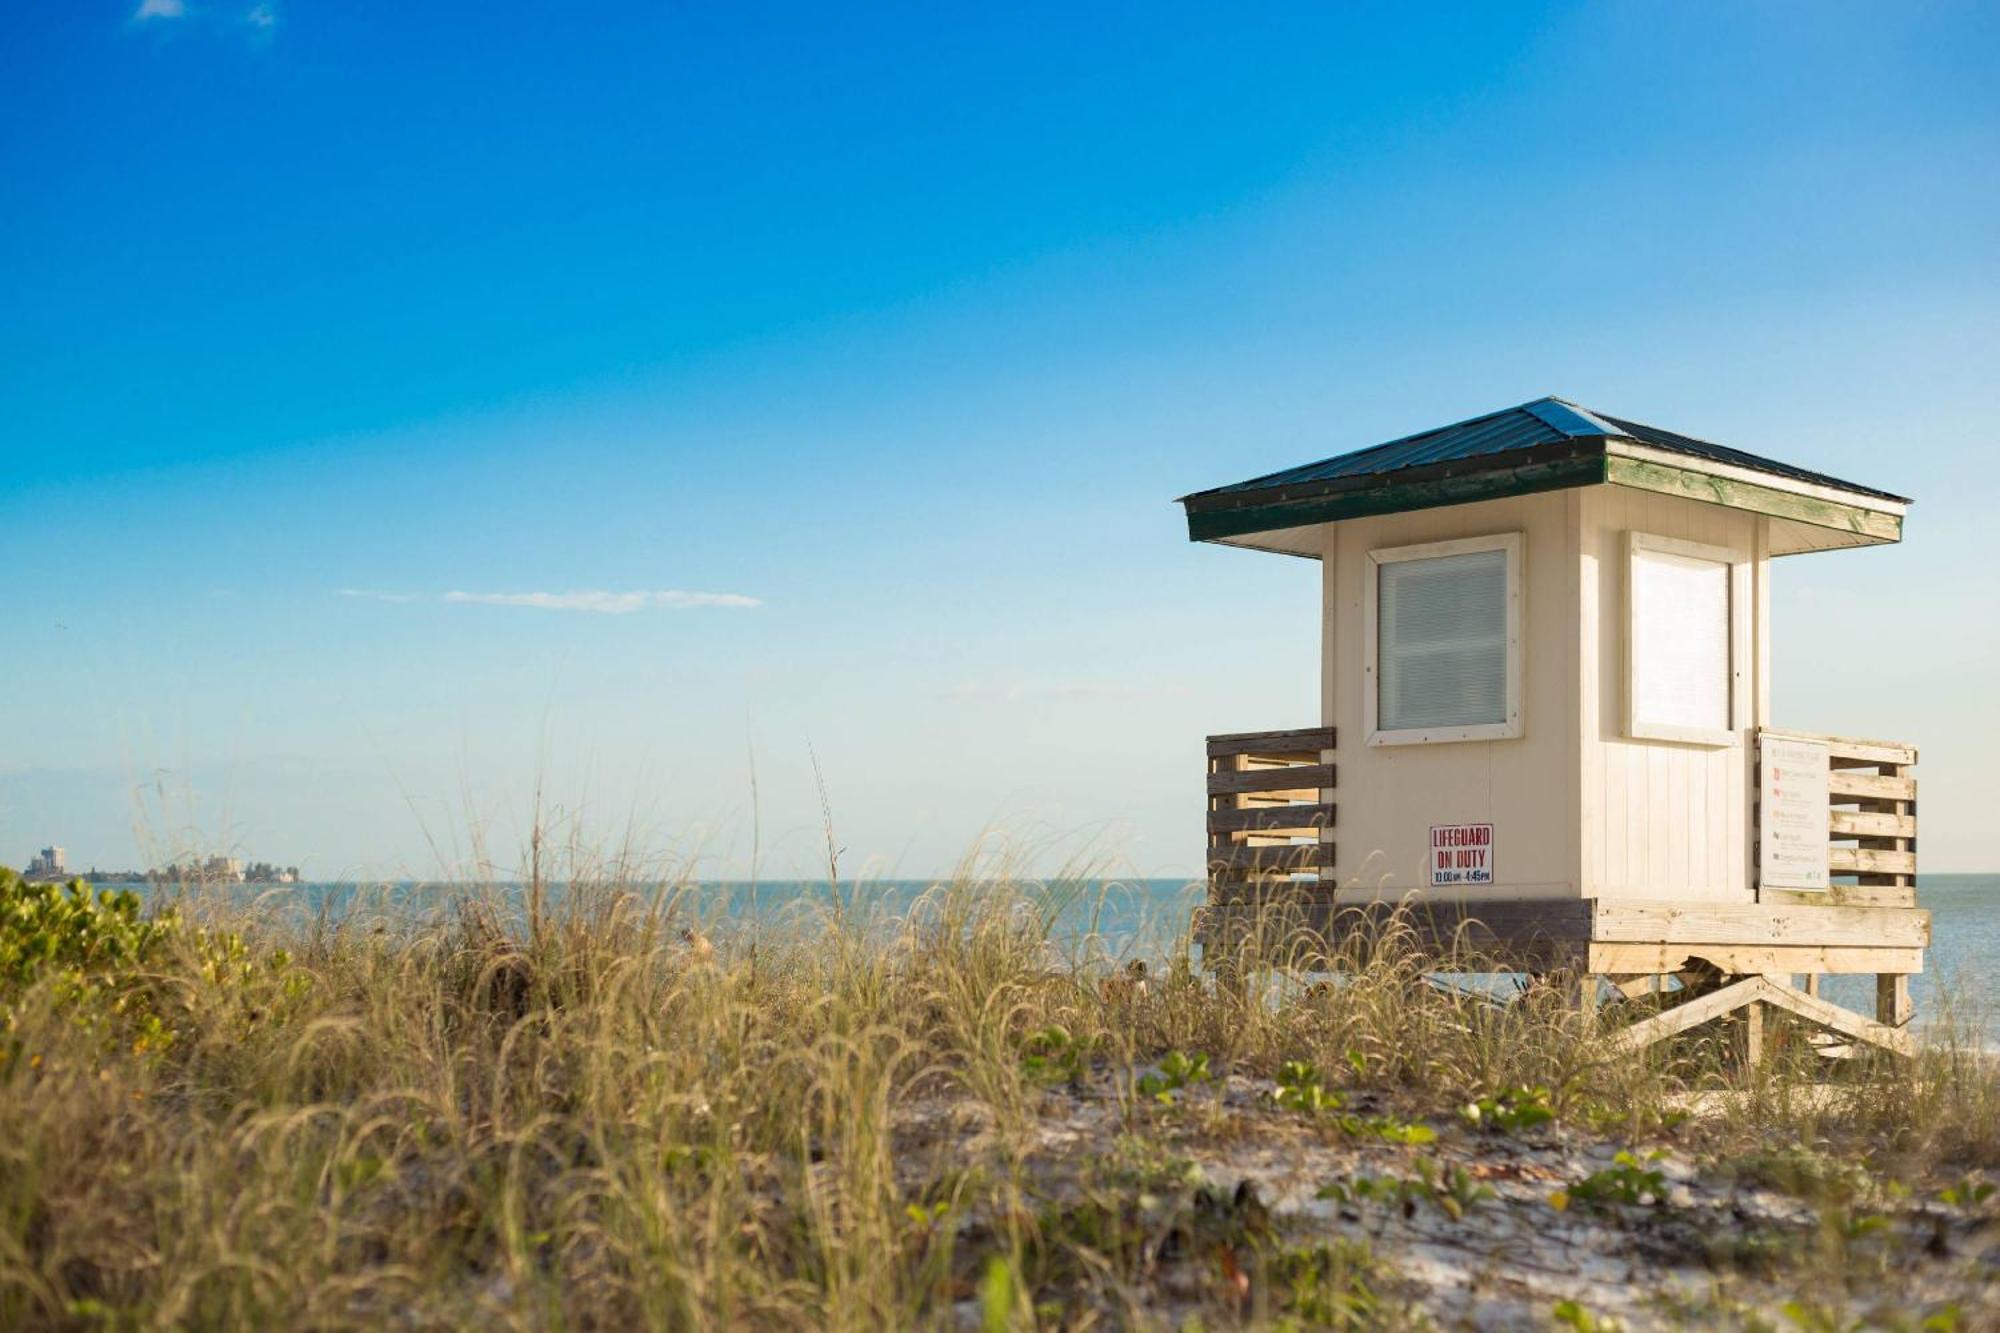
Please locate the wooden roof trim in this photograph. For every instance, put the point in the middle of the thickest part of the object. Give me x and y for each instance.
(1627, 448)
(1679, 476)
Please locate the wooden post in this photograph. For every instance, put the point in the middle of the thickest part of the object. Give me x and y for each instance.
(1750, 1036)
(1892, 999)
(1586, 995)
(1812, 983)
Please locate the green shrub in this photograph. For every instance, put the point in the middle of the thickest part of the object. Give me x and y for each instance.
(52, 929)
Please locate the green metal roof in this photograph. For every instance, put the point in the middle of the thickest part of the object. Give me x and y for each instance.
(1547, 444)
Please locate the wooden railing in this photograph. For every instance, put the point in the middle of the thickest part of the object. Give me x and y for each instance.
(1270, 812)
(1871, 819)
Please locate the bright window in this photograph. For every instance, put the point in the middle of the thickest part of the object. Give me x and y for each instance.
(1444, 641)
(1683, 646)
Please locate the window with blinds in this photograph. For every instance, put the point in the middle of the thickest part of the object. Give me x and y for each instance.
(1680, 672)
(1445, 641)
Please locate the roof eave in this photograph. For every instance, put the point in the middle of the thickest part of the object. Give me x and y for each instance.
(1215, 517)
(1862, 517)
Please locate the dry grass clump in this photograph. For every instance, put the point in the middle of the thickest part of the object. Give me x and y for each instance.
(607, 1112)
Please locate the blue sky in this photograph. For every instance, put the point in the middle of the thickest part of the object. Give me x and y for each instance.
(905, 324)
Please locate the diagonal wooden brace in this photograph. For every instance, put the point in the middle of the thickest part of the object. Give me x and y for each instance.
(1763, 990)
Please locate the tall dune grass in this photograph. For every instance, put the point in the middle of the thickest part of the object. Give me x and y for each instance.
(607, 1112)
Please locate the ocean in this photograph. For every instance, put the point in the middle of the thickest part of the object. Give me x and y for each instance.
(1140, 918)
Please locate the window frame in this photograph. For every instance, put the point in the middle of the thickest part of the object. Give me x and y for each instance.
(1738, 565)
(1514, 544)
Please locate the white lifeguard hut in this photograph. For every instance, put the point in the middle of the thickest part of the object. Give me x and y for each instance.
(1546, 722)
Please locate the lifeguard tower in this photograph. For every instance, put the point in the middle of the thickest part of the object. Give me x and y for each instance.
(1546, 723)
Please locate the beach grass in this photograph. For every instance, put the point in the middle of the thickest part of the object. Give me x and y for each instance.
(606, 1109)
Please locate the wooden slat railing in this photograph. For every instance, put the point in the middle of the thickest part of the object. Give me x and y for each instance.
(1270, 812)
(1872, 818)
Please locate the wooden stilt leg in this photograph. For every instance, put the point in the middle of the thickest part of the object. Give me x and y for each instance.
(1750, 1035)
(1812, 983)
(1892, 1000)
(1586, 995)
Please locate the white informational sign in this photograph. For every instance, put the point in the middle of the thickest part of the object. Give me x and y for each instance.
(1461, 854)
(1791, 822)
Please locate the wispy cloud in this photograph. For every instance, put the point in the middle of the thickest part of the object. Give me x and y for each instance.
(376, 595)
(589, 599)
(260, 19)
(607, 603)
(1020, 691)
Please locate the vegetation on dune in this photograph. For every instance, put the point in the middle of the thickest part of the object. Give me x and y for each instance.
(606, 1113)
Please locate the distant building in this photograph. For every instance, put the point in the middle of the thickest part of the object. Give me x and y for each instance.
(222, 870)
(53, 863)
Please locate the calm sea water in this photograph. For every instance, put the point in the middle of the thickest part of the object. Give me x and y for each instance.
(1140, 918)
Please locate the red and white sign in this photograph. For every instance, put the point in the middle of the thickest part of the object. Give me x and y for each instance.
(1461, 854)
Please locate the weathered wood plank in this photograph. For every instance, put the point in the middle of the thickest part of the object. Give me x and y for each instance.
(1854, 749)
(1278, 899)
(1745, 959)
(1847, 782)
(1842, 895)
(1264, 758)
(1290, 818)
(1298, 777)
(1296, 740)
(1757, 923)
(1870, 752)
(1870, 860)
(1864, 823)
(1288, 856)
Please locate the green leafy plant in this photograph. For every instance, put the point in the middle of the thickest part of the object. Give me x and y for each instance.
(1628, 1180)
(1454, 1190)
(1051, 1057)
(1510, 1111)
(1573, 1314)
(1451, 1190)
(1967, 1193)
(997, 1295)
(1327, 1286)
(1299, 1089)
(1177, 1071)
(1388, 1128)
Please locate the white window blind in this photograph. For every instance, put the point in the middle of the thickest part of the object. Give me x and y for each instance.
(1443, 641)
(1680, 641)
